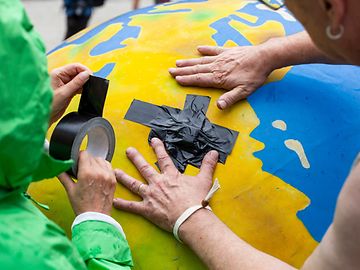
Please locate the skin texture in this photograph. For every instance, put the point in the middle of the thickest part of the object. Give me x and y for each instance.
(165, 190)
(242, 70)
(317, 15)
(164, 198)
(67, 81)
(94, 190)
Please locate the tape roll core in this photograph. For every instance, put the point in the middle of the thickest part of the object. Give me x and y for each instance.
(101, 140)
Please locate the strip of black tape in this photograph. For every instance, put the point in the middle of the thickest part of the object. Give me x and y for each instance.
(93, 96)
(187, 134)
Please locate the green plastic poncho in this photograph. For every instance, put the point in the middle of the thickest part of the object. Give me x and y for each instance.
(28, 240)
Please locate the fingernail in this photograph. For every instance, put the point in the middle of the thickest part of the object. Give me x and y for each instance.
(153, 140)
(84, 75)
(214, 153)
(221, 104)
(129, 150)
(179, 62)
(172, 70)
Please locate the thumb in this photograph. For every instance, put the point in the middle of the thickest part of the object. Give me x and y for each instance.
(71, 88)
(210, 50)
(230, 98)
(208, 164)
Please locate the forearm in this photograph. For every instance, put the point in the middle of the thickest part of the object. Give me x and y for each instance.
(293, 50)
(219, 248)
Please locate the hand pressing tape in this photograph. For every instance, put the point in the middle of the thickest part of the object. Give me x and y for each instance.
(70, 132)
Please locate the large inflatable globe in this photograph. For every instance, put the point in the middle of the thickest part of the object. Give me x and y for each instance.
(298, 134)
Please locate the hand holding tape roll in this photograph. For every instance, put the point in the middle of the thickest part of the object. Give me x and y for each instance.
(70, 132)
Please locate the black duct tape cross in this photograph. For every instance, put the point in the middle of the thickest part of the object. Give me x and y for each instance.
(70, 132)
(187, 134)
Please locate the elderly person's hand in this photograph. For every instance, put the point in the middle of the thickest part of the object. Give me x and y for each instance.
(94, 190)
(239, 70)
(168, 193)
(67, 81)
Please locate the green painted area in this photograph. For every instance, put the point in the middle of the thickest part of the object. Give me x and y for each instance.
(200, 16)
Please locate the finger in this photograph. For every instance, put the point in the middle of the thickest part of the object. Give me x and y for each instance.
(106, 167)
(102, 163)
(210, 50)
(207, 68)
(135, 186)
(208, 164)
(147, 171)
(129, 206)
(68, 72)
(85, 160)
(195, 61)
(165, 162)
(66, 181)
(230, 98)
(200, 79)
(74, 86)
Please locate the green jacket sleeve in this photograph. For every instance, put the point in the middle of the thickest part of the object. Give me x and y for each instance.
(102, 246)
(25, 103)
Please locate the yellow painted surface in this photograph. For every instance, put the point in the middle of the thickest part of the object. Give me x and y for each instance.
(256, 205)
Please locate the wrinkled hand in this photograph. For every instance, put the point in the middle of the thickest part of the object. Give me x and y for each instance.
(168, 193)
(66, 81)
(240, 70)
(94, 190)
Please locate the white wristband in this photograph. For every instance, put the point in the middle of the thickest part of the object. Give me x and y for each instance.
(191, 210)
(184, 216)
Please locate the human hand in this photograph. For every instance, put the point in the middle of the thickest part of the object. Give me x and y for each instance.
(168, 193)
(94, 190)
(66, 81)
(240, 70)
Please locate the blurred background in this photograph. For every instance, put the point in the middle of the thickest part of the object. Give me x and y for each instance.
(50, 19)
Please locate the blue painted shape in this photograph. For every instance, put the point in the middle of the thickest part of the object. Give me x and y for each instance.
(225, 32)
(322, 111)
(105, 71)
(264, 15)
(115, 42)
(126, 32)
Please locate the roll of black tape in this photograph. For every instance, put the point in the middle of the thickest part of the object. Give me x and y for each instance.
(70, 132)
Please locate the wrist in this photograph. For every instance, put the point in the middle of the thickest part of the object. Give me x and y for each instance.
(92, 210)
(195, 224)
(272, 53)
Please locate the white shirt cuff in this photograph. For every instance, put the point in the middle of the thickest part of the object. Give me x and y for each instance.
(87, 216)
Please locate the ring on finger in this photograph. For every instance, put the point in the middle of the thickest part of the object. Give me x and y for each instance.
(140, 189)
